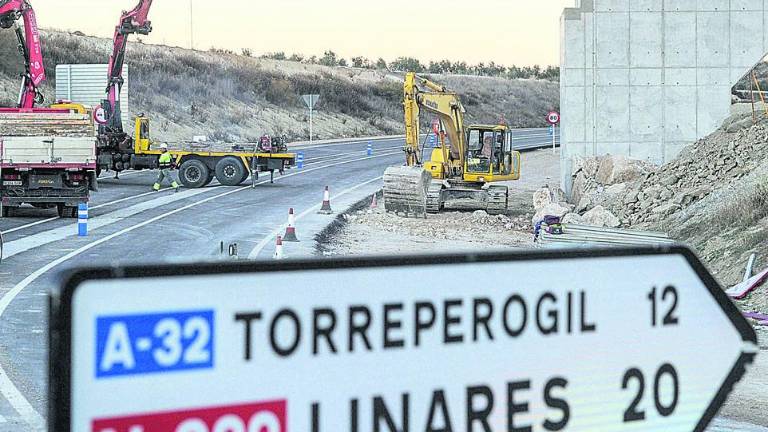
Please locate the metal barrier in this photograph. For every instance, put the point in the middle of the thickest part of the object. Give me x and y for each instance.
(584, 236)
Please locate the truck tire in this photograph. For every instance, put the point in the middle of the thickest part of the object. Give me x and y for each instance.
(193, 173)
(246, 174)
(211, 176)
(230, 171)
(7, 211)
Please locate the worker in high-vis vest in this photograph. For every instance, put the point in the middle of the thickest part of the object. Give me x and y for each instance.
(166, 164)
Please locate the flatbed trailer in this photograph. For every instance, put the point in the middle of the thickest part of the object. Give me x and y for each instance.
(198, 163)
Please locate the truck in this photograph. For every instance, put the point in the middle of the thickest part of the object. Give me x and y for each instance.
(47, 160)
(198, 162)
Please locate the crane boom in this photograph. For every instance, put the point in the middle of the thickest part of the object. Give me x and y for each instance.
(131, 22)
(30, 47)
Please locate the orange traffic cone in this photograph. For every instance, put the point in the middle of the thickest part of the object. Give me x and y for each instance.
(326, 208)
(278, 248)
(374, 204)
(290, 230)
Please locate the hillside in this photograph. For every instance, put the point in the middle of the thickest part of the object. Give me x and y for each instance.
(234, 98)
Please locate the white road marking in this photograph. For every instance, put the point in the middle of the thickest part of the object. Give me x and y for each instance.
(42, 238)
(267, 240)
(19, 228)
(9, 391)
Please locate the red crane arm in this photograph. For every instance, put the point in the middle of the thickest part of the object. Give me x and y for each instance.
(30, 48)
(134, 21)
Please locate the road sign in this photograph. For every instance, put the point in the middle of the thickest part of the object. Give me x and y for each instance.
(619, 340)
(100, 115)
(553, 117)
(310, 100)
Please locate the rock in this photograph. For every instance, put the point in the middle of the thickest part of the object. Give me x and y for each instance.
(670, 180)
(601, 217)
(479, 215)
(666, 194)
(572, 218)
(584, 204)
(579, 188)
(552, 209)
(666, 209)
(617, 189)
(590, 166)
(541, 198)
(631, 197)
(620, 169)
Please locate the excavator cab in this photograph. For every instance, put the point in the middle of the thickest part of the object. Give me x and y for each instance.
(490, 156)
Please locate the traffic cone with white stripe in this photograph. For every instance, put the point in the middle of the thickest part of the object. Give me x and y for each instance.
(278, 248)
(326, 208)
(290, 230)
(374, 204)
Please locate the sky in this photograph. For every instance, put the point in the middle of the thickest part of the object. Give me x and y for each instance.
(520, 32)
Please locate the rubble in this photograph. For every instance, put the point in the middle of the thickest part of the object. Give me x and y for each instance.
(600, 217)
(638, 193)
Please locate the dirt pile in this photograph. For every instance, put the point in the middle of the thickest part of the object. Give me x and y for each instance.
(638, 193)
(473, 225)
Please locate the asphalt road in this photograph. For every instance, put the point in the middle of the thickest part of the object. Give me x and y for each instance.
(131, 224)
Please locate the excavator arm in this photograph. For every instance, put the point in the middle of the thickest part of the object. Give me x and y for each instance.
(131, 22)
(30, 48)
(420, 93)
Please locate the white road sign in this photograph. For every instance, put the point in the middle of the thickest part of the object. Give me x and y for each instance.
(310, 100)
(619, 340)
(553, 117)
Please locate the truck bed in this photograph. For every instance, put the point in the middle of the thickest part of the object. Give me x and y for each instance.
(47, 140)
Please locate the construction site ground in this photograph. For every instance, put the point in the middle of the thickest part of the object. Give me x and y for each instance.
(376, 232)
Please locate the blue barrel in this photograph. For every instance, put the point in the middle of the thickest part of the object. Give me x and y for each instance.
(370, 148)
(300, 160)
(82, 219)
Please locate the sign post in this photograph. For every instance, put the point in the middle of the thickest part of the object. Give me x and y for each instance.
(553, 118)
(583, 340)
(310, 100)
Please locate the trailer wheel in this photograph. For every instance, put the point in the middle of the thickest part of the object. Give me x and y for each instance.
(211, 176)
(246, 174)
(193, 174)
(230, 171)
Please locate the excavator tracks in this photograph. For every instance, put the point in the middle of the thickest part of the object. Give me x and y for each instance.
(405, 190)
(498, 199)
(434, 198)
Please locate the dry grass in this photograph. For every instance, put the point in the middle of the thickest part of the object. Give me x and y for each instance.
(238, 98)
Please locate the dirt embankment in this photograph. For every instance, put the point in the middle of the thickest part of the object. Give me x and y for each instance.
(231, 97)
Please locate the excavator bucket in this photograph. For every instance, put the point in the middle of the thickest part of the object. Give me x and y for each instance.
(405, 190)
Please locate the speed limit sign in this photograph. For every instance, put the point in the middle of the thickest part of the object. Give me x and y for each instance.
(553, 117)
(100, 115)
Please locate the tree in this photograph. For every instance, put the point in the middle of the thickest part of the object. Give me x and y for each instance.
(247, 52)
(407, 64)
(296, 58)
(359, 62)
(329, 59)
(342, 62)
(381, 64)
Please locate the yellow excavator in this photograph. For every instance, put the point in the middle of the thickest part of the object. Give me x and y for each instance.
(463, 166)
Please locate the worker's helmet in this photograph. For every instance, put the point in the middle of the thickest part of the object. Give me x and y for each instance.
(164, 146)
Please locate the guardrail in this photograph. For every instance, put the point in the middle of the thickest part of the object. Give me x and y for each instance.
(584, 236)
